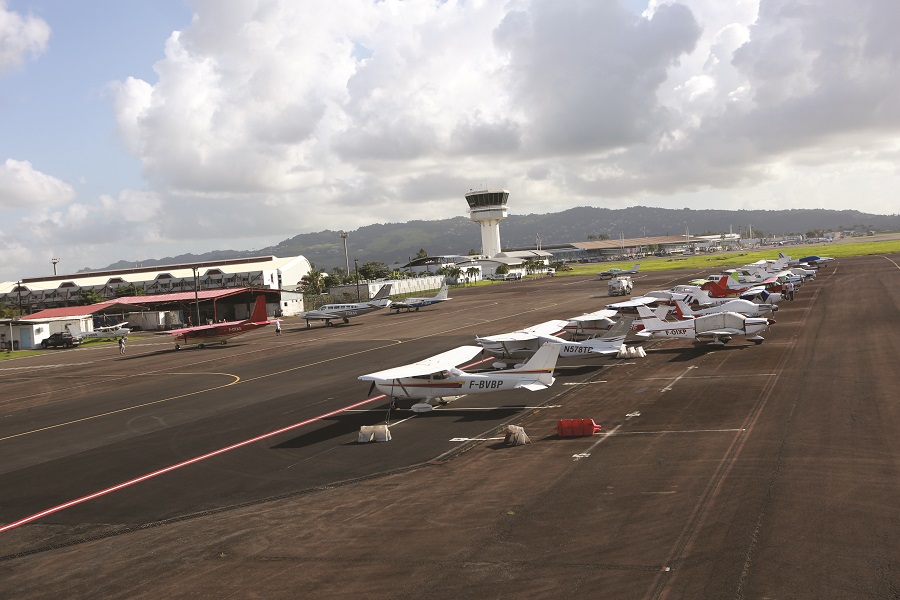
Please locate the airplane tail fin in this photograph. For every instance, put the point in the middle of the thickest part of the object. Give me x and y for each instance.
(636, 267)
(537, 372)
(612, 339)
(619, 330)
(74, 330)
(683, 310)
(442, 293)
(383, 293)
(651, 322)
(259, 314)
(717, 289)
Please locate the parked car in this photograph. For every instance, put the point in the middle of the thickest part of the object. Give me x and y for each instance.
(63, 340)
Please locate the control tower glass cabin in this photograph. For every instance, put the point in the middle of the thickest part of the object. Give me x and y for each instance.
(488, 208)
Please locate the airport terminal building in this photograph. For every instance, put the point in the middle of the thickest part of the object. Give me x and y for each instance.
(263, 272)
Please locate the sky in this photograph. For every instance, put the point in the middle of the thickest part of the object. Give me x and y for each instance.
(152, 128)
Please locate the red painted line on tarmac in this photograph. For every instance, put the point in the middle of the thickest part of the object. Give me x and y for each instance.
(191, 461)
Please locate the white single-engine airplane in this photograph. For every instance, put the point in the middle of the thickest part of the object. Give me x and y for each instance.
(738, 305)
(526, 342)
(108, 331)
(718, 328)
(417, 303)
(438, 377)
(335, 312)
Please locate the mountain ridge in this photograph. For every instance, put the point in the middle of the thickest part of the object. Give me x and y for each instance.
(397, 242)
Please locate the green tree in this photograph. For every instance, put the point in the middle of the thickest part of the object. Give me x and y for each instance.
(339, 275)
(313, 282)
(501, 269)
(128, 290)
(421, 253)
(531, 265)
(472, 273)
(89, 297)
(374, 270)
(473, 252)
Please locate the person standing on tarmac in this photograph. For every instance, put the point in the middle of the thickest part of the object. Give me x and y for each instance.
(122, 345)
(277, 327)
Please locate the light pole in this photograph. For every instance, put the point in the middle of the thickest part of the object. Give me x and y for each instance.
(356, 268)
(54, 261)
(196, 295)
(344, 235)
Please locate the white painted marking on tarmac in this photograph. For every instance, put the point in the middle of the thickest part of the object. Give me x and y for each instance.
(37, 367)
(678, 431)
(677, 379)
(631, 415)
(478, 439)
(586, 382)
(587, 453)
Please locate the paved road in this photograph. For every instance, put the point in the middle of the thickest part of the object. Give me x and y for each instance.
(750, 471)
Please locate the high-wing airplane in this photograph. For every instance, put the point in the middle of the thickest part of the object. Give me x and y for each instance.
(728, 287)
(438, 377)
(597, 323)
(610, 273)
(108, 331)
(526, 342)
(202, 335)
(717, 328)
(417, 303)
(335, 312)
(744, 307)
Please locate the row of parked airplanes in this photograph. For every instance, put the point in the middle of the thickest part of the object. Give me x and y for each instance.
(726, 308)
(739, 303)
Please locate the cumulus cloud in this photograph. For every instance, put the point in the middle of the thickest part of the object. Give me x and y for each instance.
(24, 187)
(268, 118)
(20, 37)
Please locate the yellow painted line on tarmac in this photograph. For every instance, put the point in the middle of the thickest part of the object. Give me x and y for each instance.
(236, 380)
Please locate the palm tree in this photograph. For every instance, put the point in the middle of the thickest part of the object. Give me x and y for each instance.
(313, 282)
(472, 273)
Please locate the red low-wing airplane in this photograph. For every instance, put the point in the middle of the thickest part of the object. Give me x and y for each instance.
(220, 332)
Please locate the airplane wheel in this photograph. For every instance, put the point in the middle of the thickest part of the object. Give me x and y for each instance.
(346, 320)
(308, 325)
(417, 309)
(328, 323)
(757, 342)
(177, 347)
(200, 345)
(224, 342)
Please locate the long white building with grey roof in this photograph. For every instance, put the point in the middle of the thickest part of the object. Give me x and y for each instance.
(34, 293)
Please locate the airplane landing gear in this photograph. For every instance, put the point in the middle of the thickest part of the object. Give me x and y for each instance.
(346, 320)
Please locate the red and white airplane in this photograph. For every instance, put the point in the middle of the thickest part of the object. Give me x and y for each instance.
(220, 332)
(728, 287)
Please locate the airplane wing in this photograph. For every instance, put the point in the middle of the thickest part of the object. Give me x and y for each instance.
(111, 327)
(547, 328)
(196, 328)
(633, 303)
(541, 330)
(439, 362)
(595, 316)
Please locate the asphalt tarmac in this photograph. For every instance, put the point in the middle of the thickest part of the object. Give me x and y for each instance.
(744, 471)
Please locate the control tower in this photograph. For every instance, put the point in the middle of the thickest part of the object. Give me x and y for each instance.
(488, 207)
